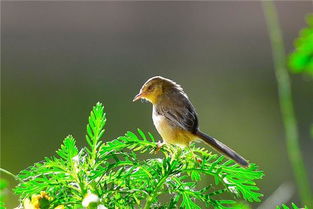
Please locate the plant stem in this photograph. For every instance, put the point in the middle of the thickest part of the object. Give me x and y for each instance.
(151, 198)
(286, 105)
(10, 174)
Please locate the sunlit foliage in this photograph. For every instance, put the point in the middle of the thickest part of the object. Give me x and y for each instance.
(301, 60)
(115, 174)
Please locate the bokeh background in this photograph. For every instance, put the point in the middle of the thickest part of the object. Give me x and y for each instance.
(60, 58)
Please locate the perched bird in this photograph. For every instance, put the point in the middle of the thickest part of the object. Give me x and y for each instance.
(175, 117)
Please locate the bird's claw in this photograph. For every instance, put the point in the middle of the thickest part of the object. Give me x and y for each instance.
(159, 146)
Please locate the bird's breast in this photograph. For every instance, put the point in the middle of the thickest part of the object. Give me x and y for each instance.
(162, 124)
(170, 132)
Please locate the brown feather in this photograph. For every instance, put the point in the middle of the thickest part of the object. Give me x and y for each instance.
(175, 117)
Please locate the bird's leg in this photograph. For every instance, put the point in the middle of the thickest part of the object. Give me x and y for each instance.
(159, 146)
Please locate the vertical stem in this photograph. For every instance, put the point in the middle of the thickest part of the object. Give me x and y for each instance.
(286, 105)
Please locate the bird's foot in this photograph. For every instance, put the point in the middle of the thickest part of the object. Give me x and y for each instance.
(159, 146)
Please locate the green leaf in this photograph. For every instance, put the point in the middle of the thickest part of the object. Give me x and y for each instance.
(68, 149)
(143, 136)
(293, 206)
(95, 130)
(188, 203)
(301, 60)
(195, 175)
(3, 193)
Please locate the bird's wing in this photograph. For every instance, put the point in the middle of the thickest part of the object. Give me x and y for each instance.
(180, 113)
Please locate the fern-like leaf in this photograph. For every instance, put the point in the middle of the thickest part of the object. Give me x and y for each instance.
(118, 174)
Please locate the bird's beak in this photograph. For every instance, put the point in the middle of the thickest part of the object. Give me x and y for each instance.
(138, 96)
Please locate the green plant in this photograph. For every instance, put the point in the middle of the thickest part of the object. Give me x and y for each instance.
(117, 174)
(293, 206)
(3, 192)
(286, 102)
(301, 59)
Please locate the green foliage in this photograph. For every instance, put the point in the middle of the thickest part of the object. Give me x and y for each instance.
(118, 174)
(293, 206)
(301, 60)
(3, 191)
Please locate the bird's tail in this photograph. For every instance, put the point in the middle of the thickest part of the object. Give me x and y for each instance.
(219, 146)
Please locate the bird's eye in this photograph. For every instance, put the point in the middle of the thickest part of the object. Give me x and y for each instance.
(150, 88)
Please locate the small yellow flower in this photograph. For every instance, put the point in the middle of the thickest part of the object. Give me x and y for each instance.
(37, 201)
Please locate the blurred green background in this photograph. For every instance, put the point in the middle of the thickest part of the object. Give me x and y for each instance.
(60, 58)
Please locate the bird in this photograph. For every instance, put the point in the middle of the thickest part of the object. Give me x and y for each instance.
(175, 117)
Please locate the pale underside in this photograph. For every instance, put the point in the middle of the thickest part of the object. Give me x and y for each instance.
(171, 134)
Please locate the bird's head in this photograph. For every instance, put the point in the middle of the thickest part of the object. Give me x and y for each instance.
(155, 87)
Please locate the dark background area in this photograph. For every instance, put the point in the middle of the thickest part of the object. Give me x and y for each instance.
(60, 58)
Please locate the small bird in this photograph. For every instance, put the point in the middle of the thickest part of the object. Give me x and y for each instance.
(175, 117)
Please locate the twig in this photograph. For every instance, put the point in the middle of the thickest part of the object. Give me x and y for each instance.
(10, 174)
